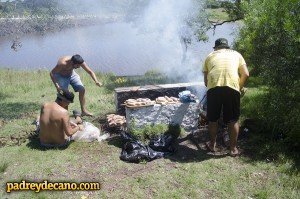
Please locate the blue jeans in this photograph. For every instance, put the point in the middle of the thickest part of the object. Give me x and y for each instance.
(65, 81)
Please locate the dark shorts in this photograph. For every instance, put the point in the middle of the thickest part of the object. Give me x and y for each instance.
(226, 99)
(67, 142)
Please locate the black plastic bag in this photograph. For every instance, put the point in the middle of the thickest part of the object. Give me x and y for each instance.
(127, 137)
(135, 151)
(163, 143)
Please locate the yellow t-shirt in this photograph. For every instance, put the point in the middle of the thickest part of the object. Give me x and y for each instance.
(222, 67)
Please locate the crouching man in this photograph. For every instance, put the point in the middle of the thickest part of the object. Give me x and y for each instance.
(55, 126)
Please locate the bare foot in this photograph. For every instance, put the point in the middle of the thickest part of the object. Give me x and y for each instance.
(234, 152)
(210, 147)
(86, 113)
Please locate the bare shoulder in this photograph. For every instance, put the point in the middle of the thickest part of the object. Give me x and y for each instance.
(63, 60)
(43, 107)
(59, 113)
(45, 104)
(61, 110)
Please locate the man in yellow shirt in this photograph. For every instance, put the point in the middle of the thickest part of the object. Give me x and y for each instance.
(225, 73)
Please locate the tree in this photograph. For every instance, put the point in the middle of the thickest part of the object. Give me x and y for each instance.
(270, 42)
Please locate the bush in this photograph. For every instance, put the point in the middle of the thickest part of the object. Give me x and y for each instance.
(149, 132)
(269, 41)
(213, 4)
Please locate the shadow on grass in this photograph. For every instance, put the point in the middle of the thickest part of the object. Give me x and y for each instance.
(191, 152)
(3, 96)
(116, 141)
(16, 110)
(261, 143)
(184, 152)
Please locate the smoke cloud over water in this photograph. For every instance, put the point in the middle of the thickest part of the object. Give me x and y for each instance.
(145, 35)
(161, 26)
(165, 22)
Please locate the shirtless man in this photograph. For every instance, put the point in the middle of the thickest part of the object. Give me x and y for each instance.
(55, 126)
(64, 74)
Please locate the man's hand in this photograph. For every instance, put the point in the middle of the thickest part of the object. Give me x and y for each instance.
(243, 91)
(99, 84)
(73, 125)
(80, 127)
(78, 120)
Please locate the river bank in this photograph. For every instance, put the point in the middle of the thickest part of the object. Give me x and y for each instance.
(17, 27)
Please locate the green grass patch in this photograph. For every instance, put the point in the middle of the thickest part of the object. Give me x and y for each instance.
(217, 14)
(189, 173)
(150, 77)
(3, 167)
(263, 142)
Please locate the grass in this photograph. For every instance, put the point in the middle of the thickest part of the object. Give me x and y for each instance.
(189, 173)
(217, 14)
(3, 167)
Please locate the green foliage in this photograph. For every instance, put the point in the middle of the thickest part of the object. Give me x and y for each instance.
(219, 14)
(270, 41)
(148, 131)
(213, 4)
(234, 9)
(41, 8)
(151, 77)
(151, 131)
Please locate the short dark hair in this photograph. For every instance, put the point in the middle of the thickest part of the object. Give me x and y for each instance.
(77, 59)
(65, 95)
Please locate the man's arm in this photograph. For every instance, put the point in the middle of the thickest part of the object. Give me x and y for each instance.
(244, 74)
(205, 78)
(91, 73)
(205, 71)
(67, 127)
(56, 69)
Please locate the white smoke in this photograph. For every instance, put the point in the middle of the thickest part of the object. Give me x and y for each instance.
(166, 21)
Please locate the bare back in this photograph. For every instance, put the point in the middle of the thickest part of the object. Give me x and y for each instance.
(51, 124)
(64, 66)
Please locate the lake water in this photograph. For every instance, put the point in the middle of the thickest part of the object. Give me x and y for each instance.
(118, 47)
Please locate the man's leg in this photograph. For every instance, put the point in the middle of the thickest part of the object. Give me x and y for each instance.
(78, 87)
(234, 132)
(214, 106)
(231, 116)
(212, 129)
(82, 103)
